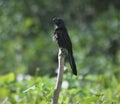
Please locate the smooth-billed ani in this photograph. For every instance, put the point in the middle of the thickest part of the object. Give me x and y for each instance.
(63, 40)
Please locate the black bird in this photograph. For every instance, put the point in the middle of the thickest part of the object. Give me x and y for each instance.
(63, 40)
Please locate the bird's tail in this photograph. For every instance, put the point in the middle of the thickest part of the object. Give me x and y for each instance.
(72, 63)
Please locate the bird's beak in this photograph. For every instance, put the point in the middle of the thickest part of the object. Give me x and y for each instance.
(54, 19)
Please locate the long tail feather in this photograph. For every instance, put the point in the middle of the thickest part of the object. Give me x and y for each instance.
(72, 63)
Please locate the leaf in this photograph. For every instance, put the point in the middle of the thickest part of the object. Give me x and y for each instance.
(7, 78)
(87, 100)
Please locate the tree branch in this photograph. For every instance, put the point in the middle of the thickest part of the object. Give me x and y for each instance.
(61, 58)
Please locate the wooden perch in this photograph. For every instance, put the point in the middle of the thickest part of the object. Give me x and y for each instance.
(61, 58)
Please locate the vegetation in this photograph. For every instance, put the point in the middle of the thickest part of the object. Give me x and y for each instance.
(28, 55)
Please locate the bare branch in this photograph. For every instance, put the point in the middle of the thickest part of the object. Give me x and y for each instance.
(61, 58)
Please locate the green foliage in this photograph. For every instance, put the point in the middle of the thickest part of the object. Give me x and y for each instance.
(25, 89)
(26, 33)
(104, 89)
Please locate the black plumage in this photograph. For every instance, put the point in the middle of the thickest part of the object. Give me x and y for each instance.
(63, 40)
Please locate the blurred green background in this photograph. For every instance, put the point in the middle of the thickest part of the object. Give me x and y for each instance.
(27, 48)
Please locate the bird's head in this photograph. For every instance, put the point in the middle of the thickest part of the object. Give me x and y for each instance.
(58, 22)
